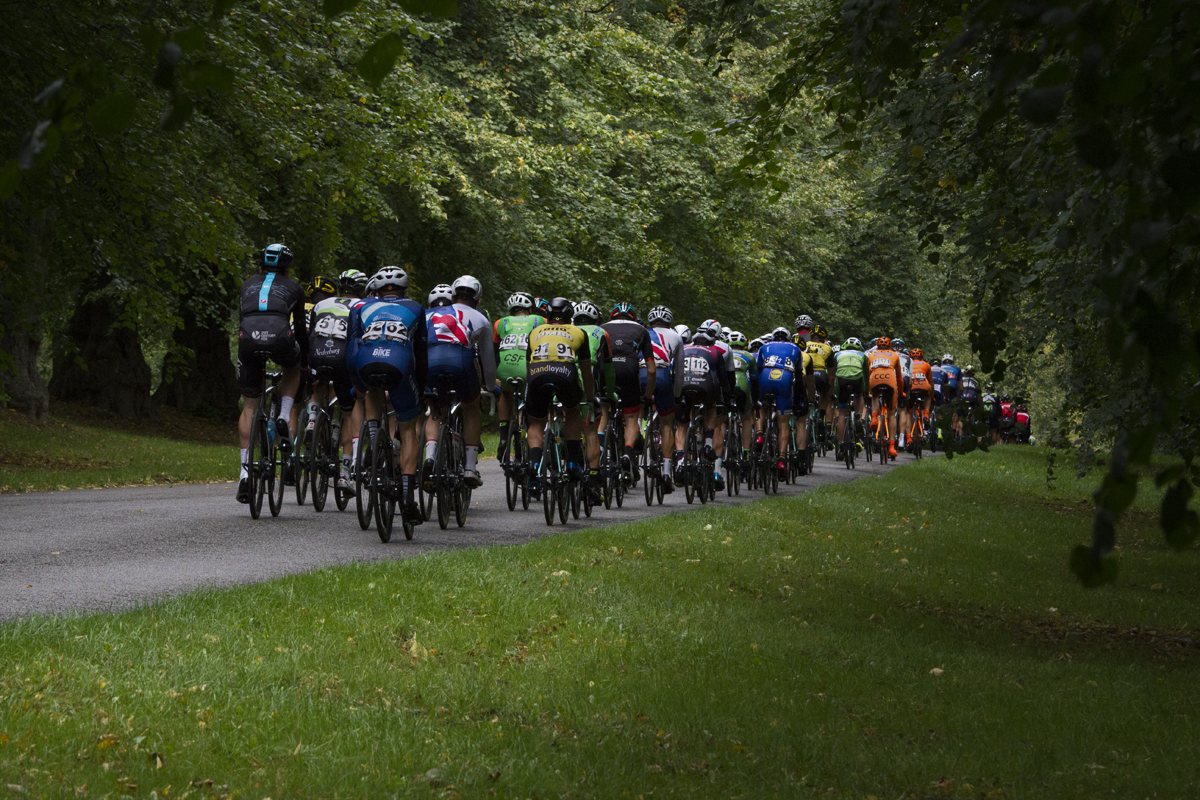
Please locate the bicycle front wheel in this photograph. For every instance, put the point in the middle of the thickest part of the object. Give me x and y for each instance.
(382, 486)
(275, 488)
(362, 479)
(301, 466)
(321, 459)
(549, 495)
(259, 447)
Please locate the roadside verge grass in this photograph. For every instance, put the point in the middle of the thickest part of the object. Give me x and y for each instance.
(915, 635)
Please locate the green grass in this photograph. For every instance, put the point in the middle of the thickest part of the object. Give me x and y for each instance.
(782, 648)
(81, 448)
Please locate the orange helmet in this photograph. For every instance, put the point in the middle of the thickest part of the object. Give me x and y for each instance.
(884, 343)
(917, 354)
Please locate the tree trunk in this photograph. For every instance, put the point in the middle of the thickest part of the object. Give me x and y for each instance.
(21, 383)
(99, 364)
(199, 376)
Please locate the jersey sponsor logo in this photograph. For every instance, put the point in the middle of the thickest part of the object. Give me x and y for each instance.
(776, 374)
(329, 348)
(392, 330)
(381, 352)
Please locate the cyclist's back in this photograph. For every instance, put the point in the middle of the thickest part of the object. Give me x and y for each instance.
(272, 324)
(628, 342)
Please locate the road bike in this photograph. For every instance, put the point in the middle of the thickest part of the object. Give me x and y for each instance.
(766, 460)
(558, 494)
(734, 458)
(384, 485)
(516, 471)
(324, 456)
(447, 482)
(613, 445)
(652, 457)
(696, 471)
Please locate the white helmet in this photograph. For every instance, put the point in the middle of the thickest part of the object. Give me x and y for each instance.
(442, 291)
(737, 339)
(780, 334)
(587, 310)
(703, 335)
(515, 300)
(725, 331)
(467, 283)
(660, 314)
(684, 332)
(711, 327)
(387, 276)
(947, 359)
(804, 321)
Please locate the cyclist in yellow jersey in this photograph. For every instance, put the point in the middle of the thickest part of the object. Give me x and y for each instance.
(559, 355)
(820, 351)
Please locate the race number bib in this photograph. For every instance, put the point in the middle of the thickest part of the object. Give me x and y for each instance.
(779, 361)
(514, 341)
(331, 327)
(386, 329)
(696, 365)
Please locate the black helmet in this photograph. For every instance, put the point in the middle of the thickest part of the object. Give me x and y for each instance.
(276, 258)
(561, 310)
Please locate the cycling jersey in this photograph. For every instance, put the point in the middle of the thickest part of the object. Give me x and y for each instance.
(388, 349)
(511, 340)
(702, 377)
(328, 336)
(628, 343)
(820, 352)
(745, 380)
(266, 303)
(850, 370)
(781, 369)
(885, 371)
(922, 379)
(668, 356)
(951, 375)
(991, 409)
(969, 388)
(938, 376)
(556, 355)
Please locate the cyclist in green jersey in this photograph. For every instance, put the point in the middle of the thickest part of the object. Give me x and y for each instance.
(745, 392)
(511, 338)
(850, 375)
(587, 319)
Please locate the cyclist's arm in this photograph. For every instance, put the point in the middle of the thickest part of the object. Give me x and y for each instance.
(752, 376)
(300, 330)
(487, 356)
(584, 361)
(421, 350)
(496, 339)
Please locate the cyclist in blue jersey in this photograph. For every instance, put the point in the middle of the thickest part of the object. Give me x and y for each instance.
(387, 352)
(780, 373)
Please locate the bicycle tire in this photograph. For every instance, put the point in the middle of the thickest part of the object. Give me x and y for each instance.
(276, 487)
(511, 487)
(549, 495)
(647, 477)
(564, 499)
(362, 488)
(319, 458)
(381, 490)
(301, 468)
(341, 497)
(253, 468)
(462, 499)
(442, 493)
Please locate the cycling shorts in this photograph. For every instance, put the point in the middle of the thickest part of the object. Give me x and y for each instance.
(821, 380)
(844, 389)
(546, 385)
(664, 391)
(259, 338)
(458, 362)
(778, 382)
(625, 387)
(917, 397)
(740, 403)
(339, 376)
(511, 367)
(387, 366)
(708, 396)
(887, 392)
(971, 398)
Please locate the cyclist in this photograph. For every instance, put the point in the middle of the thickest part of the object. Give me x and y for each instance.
(511, 340)
(901, 349)
(745, 390)
(804, 328)
(1006, 417)
(951, 375)
(780, 371)
(458, 347)
(851, 372)
(668, 361)
(886, 385)
(328, 334)
(559, 356)
(991, 410)
(720, 334)
(704, 379)
(938, 376)
(541, 306)
(271, 324)
(820, 352)
(388, 351)
(628, 344)
(968, 388)
(921, 397)
(587, 319)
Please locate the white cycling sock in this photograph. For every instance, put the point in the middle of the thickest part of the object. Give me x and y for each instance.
(354, 449)
(285, 408)
(245, 459)
(717, 465)
(430, 449)
(472, 456)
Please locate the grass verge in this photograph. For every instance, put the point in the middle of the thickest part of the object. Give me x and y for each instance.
(915, 635)
(82, 448)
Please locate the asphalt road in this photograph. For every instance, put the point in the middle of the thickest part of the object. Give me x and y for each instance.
(110, 549)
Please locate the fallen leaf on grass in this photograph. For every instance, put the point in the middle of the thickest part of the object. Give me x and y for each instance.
(936, 671)
(561, 573)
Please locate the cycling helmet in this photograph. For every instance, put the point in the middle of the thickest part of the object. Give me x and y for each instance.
(724, 334)
(352, 281)
(1006, 398)
(947, 359)
(388, 277)
(712, 328)
(969, 370)
(804, 322)
(703, 336)
(467, 284)
(623, 311)
(661, 315)
(586, 310)
(322, 285)
(917, 354)
(520, 300)
(684, 332)
(541, 304)
(780, 334)
(737, 340)
(883, 343)
(560, 311)
(276, 258)
(853, 344)
(442, 295)
(819, 332)
(899, 346)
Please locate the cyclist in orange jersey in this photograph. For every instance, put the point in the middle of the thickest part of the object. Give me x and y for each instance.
(886, 384)
(921, 396)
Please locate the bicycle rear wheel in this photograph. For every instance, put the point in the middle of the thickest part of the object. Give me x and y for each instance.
(254, 469)
(382, 488)
(648, 473)
(341, 497)
(320, 458)
(276, 487)
(564, 498)
(362, 479)
(462, 499)
(301, 463)
(549, 494)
